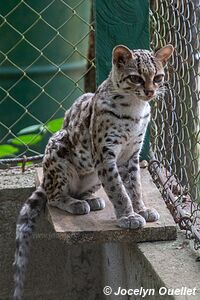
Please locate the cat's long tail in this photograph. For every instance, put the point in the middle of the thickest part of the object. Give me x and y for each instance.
(25, 226)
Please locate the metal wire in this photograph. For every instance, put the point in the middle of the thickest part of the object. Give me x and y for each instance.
(175, 129)
(54, 66)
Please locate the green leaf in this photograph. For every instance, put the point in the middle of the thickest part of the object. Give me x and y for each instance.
(27, 139)
(54, 125)
(7, 150)
(30, 129)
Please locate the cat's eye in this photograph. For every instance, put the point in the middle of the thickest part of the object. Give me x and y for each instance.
(158, 78)
(136, 79)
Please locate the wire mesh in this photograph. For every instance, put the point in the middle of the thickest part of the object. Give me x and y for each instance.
(47, 60)
(175, 127)
(44, 61)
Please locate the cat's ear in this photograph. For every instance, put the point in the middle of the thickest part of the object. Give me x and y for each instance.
(164, 53)
(121, 55)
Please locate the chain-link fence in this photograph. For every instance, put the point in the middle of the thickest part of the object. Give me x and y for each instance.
(175, 130)
(44, 65)
(47, 60)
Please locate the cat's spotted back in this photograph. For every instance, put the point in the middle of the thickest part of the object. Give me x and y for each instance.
(99, 144)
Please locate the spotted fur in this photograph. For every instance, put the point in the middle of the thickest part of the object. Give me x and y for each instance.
(99, 144)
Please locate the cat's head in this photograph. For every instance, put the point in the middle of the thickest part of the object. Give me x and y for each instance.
(140, 72)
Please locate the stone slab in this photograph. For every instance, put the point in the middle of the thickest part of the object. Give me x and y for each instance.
(101, 226)
(175, 264)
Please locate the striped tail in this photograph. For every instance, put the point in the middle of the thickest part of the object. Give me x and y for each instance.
(25, 227)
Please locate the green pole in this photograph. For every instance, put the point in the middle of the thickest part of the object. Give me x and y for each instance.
(120, 22)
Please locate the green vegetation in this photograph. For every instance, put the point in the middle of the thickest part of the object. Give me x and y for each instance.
(30, 135)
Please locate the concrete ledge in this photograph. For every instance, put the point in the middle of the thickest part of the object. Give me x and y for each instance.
(152, 268)
(175, 266)
(14, 184)
(58, 271)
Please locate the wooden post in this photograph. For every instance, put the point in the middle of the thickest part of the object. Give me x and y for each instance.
(120, 22)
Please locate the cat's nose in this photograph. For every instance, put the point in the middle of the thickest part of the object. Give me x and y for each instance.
(149, 93)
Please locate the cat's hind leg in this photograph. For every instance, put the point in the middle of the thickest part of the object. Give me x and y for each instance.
(95, 202)
(65, 187)
(61, 184)
(71, 205)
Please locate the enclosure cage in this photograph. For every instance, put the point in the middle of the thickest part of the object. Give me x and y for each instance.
(47, 61)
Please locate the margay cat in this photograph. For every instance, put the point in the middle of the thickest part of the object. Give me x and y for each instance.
(99, 143)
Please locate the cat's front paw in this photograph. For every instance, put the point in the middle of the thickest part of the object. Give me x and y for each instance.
(149, 214)
(133, 221)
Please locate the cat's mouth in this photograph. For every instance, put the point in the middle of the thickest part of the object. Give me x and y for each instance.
(149, 98)
(146, 98)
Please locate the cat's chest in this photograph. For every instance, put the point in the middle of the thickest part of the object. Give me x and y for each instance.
(127, 149)
(131, 139)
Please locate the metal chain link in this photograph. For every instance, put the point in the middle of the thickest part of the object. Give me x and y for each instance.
(175, 128)
(74, 10)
